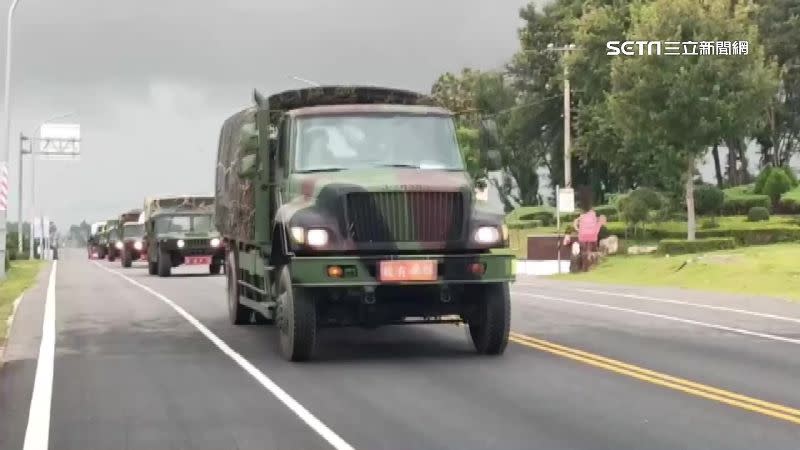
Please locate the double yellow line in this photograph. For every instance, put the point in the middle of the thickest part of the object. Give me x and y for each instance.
(679, 384)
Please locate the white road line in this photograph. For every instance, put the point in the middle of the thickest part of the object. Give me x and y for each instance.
(301, 412)
(678, 302)
(665, 317)
(37, 434)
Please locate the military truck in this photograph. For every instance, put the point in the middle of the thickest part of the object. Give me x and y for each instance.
(112, 239)
(351, 206)
(93, 242)
(131, 237)
(180, 230)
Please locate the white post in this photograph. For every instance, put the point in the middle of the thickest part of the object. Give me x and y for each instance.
(6, 138)
(558, 225)
(567, 131)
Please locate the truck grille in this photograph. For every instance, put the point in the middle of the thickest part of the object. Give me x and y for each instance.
(404, 216)
(197, 243)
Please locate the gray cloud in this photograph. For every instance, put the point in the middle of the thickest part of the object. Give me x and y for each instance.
(153, 80)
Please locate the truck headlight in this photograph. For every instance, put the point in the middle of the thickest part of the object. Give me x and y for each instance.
(118, 244)
(181, 243)
(137, 245)
(487, 235)
(215, 242)
(317, 237)
(298, 234)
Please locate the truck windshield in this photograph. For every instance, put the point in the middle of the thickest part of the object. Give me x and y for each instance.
(343, 142)
(184, 223)
(134, 230)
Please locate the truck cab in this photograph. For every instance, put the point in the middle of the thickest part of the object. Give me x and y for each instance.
(180, 230)
(133, 247)
(351, 206)
(93, 242)
(113, 241)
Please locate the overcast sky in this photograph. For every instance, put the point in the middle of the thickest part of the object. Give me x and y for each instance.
(152, 80)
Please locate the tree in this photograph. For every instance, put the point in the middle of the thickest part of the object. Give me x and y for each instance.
(777, 184)
(708, 199)
(681, 106)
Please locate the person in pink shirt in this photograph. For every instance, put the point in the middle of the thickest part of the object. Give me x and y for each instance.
(588, 226)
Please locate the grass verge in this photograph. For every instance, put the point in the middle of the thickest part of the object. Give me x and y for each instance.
(21, 275)
(769, 270)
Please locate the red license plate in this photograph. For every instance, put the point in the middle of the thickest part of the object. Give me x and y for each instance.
(197, 260)
(411, 270)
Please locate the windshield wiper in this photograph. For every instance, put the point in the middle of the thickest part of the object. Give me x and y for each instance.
(324, 169)
(411, 166)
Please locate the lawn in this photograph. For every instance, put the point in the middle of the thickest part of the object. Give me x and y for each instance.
(21, 276)
(770, 270)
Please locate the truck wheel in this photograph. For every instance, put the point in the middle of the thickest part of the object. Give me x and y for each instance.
(152, 267)
(126, 259)
(296, 317)
(489, 330)
(215, 267)
(164, 263)
(238, 313)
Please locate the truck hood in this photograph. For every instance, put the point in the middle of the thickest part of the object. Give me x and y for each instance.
(176, 235)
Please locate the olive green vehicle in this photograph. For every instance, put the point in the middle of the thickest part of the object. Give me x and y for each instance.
(106, 240)
(179, 230)
(351, 206)
(131, 242)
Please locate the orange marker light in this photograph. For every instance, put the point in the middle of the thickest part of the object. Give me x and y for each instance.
(477, 268)
(335, 272)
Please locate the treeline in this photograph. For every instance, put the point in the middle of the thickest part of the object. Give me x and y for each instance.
(638, 120)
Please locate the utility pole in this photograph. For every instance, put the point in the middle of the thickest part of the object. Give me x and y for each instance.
(6, 145)
(567, 111)
(20, 230)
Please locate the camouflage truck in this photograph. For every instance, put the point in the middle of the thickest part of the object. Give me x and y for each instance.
(180, 230)
(351, 206)
(113, 244)
(93, 241)
(131, 242)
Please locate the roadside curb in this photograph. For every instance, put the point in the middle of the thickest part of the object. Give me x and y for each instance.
(9, 323)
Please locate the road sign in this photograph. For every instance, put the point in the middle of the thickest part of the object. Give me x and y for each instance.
(566, 200)
(60, 141)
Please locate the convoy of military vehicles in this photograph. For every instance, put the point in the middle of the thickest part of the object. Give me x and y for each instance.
(335, 206)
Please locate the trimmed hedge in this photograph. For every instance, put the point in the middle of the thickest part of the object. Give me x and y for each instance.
(788, 206)
(758, 214)
(682, 246)
(755, 236)
(739, 205)
(520, 224)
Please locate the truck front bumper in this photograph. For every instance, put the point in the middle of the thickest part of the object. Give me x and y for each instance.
(312, 271)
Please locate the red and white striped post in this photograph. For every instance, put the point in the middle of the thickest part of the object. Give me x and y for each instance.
(4, 187)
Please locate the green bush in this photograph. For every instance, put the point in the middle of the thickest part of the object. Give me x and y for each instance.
(788, 206)
(709, 224)
(758, 214)
(741, 204)
(682, 246)
(792, 176)
(545, 217)
(777, 184)
(521, 224)
(708, 199)
(761, 180)
(606, 210)
(633, 210)
(651, 198)
(749, 234)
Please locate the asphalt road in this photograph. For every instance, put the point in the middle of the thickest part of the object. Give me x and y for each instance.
(141, 362)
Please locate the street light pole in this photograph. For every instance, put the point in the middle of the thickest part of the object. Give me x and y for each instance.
(6, 141)
(567, 113)
(20, 230)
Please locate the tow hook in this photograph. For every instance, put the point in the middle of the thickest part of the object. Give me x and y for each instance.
(369, 296)
(445, 295)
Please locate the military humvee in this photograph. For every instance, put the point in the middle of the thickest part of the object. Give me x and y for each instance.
(180, 230)
(93, 242)
(131, 237)
(351, 206)
(106, 240)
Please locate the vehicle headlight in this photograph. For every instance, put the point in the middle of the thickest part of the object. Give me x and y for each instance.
(118, 244)
(317, 237)
(487, 235)
(505, 232)
(181, 243)
(215, 242)
(137, 245)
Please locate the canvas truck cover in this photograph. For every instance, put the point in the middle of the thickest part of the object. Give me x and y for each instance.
(130, 216)
(235, 197)
(177, 204)
(96, 227)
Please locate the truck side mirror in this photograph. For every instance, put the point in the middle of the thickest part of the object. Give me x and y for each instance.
(248, 165)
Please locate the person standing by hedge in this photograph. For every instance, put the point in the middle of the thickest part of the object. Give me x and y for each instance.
(588, 225)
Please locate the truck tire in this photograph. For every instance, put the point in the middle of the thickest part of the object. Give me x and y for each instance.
(126, 259)
(489, 330)
(152, 267)
(238, 313)
(296, 317)
(111, 255)
(164, 263)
